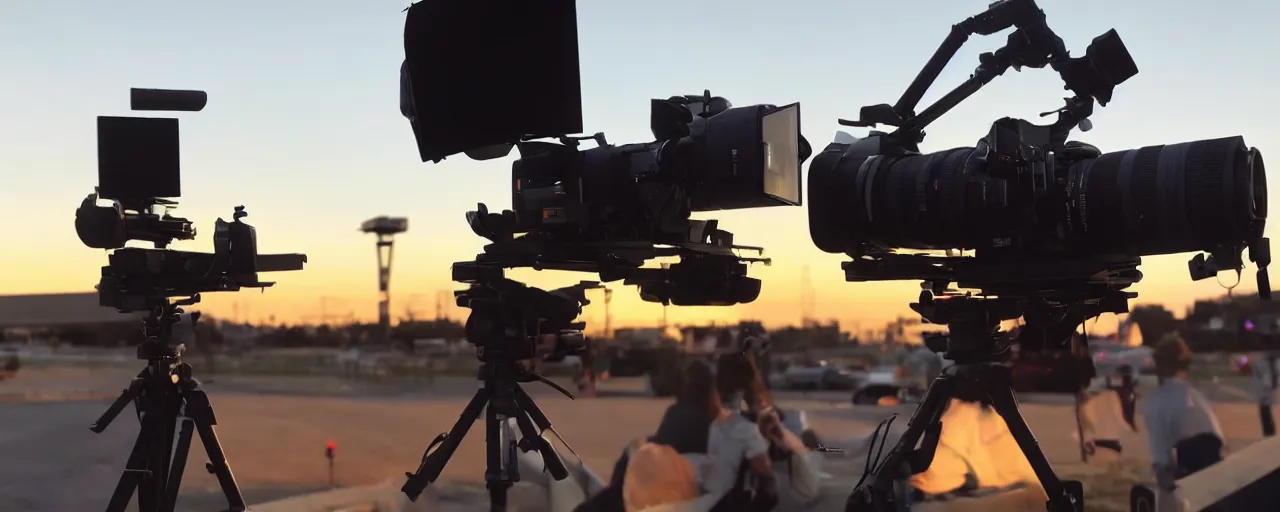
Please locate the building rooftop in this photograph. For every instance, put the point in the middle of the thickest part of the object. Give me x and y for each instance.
(56, 309)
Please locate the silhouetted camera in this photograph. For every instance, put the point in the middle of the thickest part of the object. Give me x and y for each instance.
(1046, 218)
(606, 209)
(139, 172)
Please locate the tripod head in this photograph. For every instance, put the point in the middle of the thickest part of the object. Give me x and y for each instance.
(974, 322)
(511, 321)
(157, 328)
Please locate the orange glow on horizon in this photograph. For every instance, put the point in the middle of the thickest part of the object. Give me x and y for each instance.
(327, 292)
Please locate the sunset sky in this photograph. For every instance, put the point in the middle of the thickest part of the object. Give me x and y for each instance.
(303, 127)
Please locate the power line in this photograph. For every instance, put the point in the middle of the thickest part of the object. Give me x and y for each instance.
(442, 296)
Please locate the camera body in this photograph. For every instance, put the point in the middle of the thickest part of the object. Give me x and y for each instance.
(706, 156)
(608, 209)
(139, 172)
(510, 321)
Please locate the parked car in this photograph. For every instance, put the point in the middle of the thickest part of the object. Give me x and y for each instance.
(1108, 359)
(879, 382)
(822, 375)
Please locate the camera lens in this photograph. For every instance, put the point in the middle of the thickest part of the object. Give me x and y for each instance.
(915, 202)
(1154, 200)
(1169, 199)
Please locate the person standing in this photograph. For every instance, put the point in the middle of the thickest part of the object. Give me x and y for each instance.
(1182, 430)
(1265, 373)
(1106, 413)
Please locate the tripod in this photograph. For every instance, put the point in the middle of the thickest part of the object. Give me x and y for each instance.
(973, 344)
(165, 393)
(508, 321)
(501, 398)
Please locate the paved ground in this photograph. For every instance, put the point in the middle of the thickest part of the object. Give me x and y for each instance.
(274, 431)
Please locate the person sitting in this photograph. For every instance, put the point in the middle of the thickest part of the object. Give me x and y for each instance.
(723, 455)
(1182, 429)
(738, 435)
(1263, 366)
(684, 427)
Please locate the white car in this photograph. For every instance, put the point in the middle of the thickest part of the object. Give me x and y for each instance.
(1108, 360)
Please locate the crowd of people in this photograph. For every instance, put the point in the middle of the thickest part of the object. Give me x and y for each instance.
(724, 445)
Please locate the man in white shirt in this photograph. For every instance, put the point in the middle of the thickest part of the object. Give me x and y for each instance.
(1265, 375)
(1182, 429)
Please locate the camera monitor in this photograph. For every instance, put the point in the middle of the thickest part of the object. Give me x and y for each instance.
(515, 63)
(138, 158)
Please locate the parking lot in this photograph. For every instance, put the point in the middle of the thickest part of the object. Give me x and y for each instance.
(274, 431)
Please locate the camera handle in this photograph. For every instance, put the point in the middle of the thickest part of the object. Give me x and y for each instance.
(1033, 44)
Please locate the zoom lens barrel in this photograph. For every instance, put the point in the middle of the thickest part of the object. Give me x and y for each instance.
(1169, 199)
(1154, 200)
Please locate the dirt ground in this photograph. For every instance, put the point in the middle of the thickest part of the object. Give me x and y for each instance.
(274, 432)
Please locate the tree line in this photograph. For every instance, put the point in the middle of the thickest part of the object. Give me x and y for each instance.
(1228, 324)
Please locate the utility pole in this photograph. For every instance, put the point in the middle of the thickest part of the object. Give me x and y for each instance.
(385, 228)
(440, 305)
(665, 266)
(608, 318)
(806, 298)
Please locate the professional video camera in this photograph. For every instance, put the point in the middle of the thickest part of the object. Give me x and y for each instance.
(607, 210)
(139, 171)
(1025, 199)
(1057, 227)
(611, 208)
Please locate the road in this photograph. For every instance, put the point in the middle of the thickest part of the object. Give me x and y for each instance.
(274, 431)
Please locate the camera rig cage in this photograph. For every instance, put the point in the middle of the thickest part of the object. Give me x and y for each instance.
(139, 172)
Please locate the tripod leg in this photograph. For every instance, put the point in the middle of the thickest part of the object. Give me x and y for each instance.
(126, 397)
(1006, 405)
(200, 412)
(495, 475)
(433, 461)
(904, 459)
(178, 466)
(531, 436)
(134, 470)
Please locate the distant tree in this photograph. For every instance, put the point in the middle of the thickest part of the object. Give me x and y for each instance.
(1154, 321)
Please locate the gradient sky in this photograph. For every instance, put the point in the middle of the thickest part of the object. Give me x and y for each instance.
(303, 126)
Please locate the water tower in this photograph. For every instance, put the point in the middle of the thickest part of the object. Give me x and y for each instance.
(386, 228)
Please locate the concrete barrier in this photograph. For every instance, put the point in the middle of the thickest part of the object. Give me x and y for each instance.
(1245, 480)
